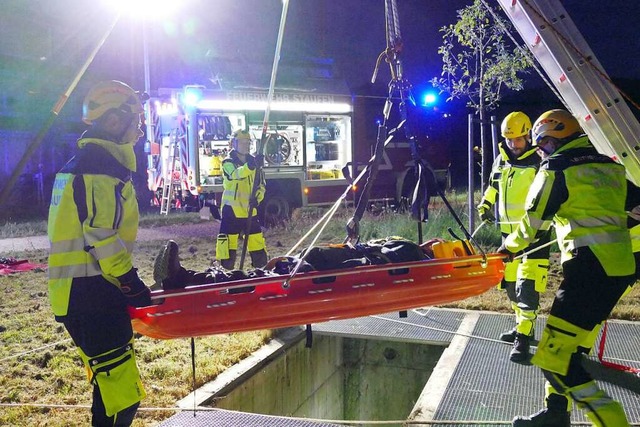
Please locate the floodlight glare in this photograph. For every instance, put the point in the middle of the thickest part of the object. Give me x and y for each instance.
(148, 9)
(192, 95)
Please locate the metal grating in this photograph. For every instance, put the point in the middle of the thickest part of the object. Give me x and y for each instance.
(224, 418)
(425, 325)
(486, 386)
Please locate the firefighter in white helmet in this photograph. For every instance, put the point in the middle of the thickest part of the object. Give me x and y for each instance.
(583, 193)
(238, 175)
(524, 279)
(93, 222)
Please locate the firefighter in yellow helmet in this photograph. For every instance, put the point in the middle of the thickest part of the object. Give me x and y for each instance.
(524, 279)
(238, 174)
(93, 222)
(583, 193)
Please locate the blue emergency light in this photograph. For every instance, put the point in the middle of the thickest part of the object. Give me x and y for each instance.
(192, 95)
(429, 99)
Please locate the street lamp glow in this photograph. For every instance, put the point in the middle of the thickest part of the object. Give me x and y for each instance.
(148, 9)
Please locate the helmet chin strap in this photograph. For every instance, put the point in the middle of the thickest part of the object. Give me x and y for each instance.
(549, 148)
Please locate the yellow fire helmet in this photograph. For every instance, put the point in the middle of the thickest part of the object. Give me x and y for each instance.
(241, 141)
(515, 124)
(107, 96)
(559, 124)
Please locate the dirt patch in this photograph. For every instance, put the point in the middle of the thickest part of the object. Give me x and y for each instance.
(17, 245)
(202, 229)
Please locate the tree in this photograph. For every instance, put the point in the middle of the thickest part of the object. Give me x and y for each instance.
(478, 64)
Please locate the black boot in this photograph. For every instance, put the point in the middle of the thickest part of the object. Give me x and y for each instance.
(508, 336)
(544, 418)
(166, 265)
(258, 258)
(520, 351)
(230, 262)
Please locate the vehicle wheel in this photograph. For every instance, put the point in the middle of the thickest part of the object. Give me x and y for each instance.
(276, 210)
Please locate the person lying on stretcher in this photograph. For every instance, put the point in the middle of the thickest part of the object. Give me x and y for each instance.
(169, 274)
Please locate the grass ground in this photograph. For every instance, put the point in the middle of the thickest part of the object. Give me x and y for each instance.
(39, 364)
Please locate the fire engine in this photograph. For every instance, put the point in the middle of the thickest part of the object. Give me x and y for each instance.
(312, 136)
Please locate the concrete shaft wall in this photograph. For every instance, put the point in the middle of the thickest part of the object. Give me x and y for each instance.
(339, 378)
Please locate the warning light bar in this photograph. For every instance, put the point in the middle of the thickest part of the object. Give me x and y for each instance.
(312, 107)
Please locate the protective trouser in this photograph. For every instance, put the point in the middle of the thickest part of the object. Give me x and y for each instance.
(575, 384)
(105, 344)
(524, 280)
(227, 256)
(227, 242)
(531, 281)
(557, 401)
(224, 253)
(584, 300)
(523, 294)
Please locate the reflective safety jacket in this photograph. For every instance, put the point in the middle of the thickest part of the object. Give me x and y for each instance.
(633, 212)
(93, 222)
(237, 182)
(509, 183)
(583, 193)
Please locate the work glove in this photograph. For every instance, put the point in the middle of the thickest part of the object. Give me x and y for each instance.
(486, 215)
(506, 252)
(134, 289)
(260, 194)
(251, 162)
(253, 202)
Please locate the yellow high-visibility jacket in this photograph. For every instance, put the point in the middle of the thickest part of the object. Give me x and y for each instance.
(509, 183)
(237, 182)
(93, 222)
(583, 193)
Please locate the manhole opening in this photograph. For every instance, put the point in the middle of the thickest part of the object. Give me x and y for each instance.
(340, 379)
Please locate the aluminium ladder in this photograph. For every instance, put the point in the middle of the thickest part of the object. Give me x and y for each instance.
(587, 91)
(167, 188)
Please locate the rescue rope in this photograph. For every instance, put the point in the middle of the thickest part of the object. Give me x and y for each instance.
(316, 420)
(24, 353)
(482, 224)
(263, 138)
(331, 212)
(585, 58)
(527, 52)
(535, 249)
(341, 422)
(474, 336)
(447, 331)
(324, 220)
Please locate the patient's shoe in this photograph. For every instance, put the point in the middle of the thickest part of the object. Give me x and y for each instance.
(166, 265)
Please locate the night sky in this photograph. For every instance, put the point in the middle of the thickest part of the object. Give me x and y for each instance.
(50, 39)
(349, 31)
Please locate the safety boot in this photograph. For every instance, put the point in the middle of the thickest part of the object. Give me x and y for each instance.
(520, 351)
(166, 264)
(258, 258)
(508, 336)
(544, 418)
(230, 262)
